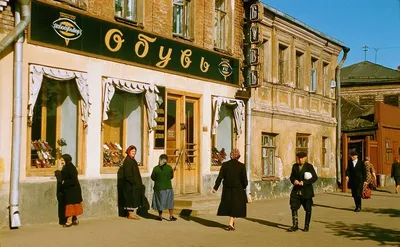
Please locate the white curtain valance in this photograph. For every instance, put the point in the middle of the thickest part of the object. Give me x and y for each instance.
(36, 78)
(238, 112)
(151, 95)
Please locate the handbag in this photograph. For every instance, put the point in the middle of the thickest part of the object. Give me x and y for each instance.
(366, 192)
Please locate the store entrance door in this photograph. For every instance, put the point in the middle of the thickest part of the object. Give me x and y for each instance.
(183, 141)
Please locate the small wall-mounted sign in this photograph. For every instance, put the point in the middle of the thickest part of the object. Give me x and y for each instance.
(256, 12)
(255, 78)
(333, 84)
(255, 34)
(255, 56)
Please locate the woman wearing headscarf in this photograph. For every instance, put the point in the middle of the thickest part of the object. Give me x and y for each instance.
(163, 196)
(371, 175)
(71, 191)
(233, 199)
(132, 184)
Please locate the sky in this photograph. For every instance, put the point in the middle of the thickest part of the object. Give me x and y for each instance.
(356, 23)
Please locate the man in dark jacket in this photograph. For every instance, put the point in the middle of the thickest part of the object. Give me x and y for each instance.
(356, 176)
(302, 177)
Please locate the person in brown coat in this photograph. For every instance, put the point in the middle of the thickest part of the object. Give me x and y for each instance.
(233, 199)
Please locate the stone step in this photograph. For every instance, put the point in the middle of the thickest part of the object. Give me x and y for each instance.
(196, 211)
(196, 201)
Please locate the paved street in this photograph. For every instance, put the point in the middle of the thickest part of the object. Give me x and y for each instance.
(333, 224)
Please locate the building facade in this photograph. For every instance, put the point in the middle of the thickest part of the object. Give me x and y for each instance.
(370, 100)
(99, 76)
(293, 110)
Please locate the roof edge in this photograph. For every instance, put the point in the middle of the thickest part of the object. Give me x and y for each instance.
(302, 24)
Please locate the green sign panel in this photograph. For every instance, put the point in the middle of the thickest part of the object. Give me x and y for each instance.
(71, 31)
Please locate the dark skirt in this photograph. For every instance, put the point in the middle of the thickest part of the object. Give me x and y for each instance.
(233, 203)
(163, 199)
(397, 180)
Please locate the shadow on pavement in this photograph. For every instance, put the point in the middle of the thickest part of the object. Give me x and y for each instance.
(386, 211)
(363, 232)
(332, 207)
(268, 223)
(185, 214)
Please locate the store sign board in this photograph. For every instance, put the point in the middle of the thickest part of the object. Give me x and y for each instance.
(74, 32)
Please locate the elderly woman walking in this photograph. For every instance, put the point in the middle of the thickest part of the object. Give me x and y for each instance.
(132, 185)
(233, 199)
(163, 197)
(395, 173)
(371, 175)
(71, 191)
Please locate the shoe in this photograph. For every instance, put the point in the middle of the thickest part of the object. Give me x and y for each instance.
(358, 209)
(159, 218)
(295, 221)
(307, 222)
(230, 228)
(172, 218)
(68, 225)
(75, 223)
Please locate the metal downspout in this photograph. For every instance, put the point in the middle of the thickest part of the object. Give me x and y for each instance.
(22, 19)
(339, 118)
(248, 148)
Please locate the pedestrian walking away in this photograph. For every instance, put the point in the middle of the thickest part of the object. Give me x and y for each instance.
(132, 184)
(302, 177)
(71, 192)
(356, 176)
(396, 174)
(233, 199)
(163, 196)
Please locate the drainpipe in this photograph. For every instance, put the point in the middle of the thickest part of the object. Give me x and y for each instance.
(248, 150)
(22, 19)
(339, 118)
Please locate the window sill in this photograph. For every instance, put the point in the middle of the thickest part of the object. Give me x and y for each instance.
(128, 22)
(229, 53)
(271, 179)
(179, 36)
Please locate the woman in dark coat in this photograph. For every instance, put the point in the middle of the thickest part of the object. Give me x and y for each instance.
(71, 191)
(396, 173)
(132, 184)
(234, 199)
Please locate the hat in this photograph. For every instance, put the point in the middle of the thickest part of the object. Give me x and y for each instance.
(353, 153)
(301, 154)
(163, 156)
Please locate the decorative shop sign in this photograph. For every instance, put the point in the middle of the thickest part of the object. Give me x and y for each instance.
(255, 34)
(159, 132)
(60, 28)
(256, 12)
(255, 56)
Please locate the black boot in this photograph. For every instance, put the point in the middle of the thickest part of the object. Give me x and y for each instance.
(295, 220)
(307, 223)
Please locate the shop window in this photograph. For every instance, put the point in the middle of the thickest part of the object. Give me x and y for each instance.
(183, 18)
(130, 10)
(268, 148)
(302, 143)
(81, 4)
(222, 25)
(314, 75)
(224, 140)
(299, 69)
(324, 153)
(283, 64)
(124, 127)
(391, 100)
(55, 126)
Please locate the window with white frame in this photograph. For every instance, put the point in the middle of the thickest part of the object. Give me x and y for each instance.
(268, 147)
(222, 20)
(183, 17)
(129, 10)
(314, 75)
(299, 69)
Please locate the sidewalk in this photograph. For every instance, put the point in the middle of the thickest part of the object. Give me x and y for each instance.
(333, 224)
